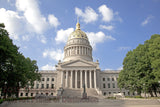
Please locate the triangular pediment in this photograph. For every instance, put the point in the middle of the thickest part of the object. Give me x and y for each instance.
(78, 63)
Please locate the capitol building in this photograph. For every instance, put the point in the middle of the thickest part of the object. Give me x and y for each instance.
(76, 70)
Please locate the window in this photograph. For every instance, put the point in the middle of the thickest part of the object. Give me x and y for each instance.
(52, 86)
(128, 93)
(42, 86)
(108, 79)
(112, 79)
(104, 93)
(31, 94)
(52, 79)
(37, 86)
(124, 93)
(42, 79)
(21, 94)
(41, 93)
(113, 85)
(47, 85)
(51, 93)
(103, 79)
(47, 79)
(108, 85)
(26, 94)
(109, 92)
(104, 85)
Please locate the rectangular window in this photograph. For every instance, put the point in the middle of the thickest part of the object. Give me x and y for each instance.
(109, 85)
(31, 94)
(52, 79)
(21, 94)
(37, 86)
(42, 79)
(47, 79)
(42, 86)
(26, 94)
(104, 85)
(108, 79)
(47, 85)
(124, 93)
(103, 79)
(112, 79)
(52, 86)
(51, 93)
(113, 85)
(109, 92)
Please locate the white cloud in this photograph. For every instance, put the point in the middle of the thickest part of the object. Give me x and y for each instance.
(53, 54)
(62, 35)
(106, 27)
(53, 20)
(48, 67)
(147, 20)
(124, 48)
(106, 12)
(26, 38)
(32, 14)
(12, 19)
(88, 16)
(120, 68)
(108, 69)
(42, 38)
(98, 37)
(27, 19)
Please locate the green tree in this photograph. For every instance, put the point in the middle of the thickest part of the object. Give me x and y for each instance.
(141, 67)
(16, 71)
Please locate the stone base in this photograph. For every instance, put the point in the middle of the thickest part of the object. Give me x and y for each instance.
(84, 95)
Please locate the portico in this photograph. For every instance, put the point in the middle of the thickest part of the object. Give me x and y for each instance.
(76, 78)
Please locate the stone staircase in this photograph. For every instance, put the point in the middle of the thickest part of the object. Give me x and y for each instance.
(78, 92)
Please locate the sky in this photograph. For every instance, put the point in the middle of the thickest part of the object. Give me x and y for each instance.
(40, 28)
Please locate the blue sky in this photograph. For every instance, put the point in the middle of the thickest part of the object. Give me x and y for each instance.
(41, 27)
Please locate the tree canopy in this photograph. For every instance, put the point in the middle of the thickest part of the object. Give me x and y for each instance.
(141, 67)
(16, 71)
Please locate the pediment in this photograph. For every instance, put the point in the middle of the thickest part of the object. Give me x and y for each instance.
(78, 63)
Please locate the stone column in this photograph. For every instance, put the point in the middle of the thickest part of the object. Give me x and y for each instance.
(75, 79)
(86, 79)
(66, 78)
(62, 79)
(90, 77)
(81, 84)
(95, 81)
(71, 81)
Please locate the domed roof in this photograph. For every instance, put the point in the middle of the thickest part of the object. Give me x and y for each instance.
(78, 33)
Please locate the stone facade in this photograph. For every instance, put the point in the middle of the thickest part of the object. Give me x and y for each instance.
(76, 69)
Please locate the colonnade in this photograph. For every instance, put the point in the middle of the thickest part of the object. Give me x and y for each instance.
(78, 50)
(77, 78)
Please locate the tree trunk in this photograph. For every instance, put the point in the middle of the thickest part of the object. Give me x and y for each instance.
(151, 93)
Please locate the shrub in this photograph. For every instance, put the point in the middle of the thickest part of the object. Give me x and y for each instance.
(1, 101)
(111, 98)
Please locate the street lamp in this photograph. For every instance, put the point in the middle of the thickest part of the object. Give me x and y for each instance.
(144, 89)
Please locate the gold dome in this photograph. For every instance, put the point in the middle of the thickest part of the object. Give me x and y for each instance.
(78, 33)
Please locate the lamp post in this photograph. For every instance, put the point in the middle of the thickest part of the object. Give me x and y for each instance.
(5, 90)
(144, 89)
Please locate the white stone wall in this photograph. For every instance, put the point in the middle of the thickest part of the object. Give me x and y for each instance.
(49, 83)
(109, 85)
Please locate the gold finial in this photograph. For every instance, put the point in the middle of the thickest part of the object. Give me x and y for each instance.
(77, 25)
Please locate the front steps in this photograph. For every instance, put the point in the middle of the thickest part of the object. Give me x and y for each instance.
(91, 92)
